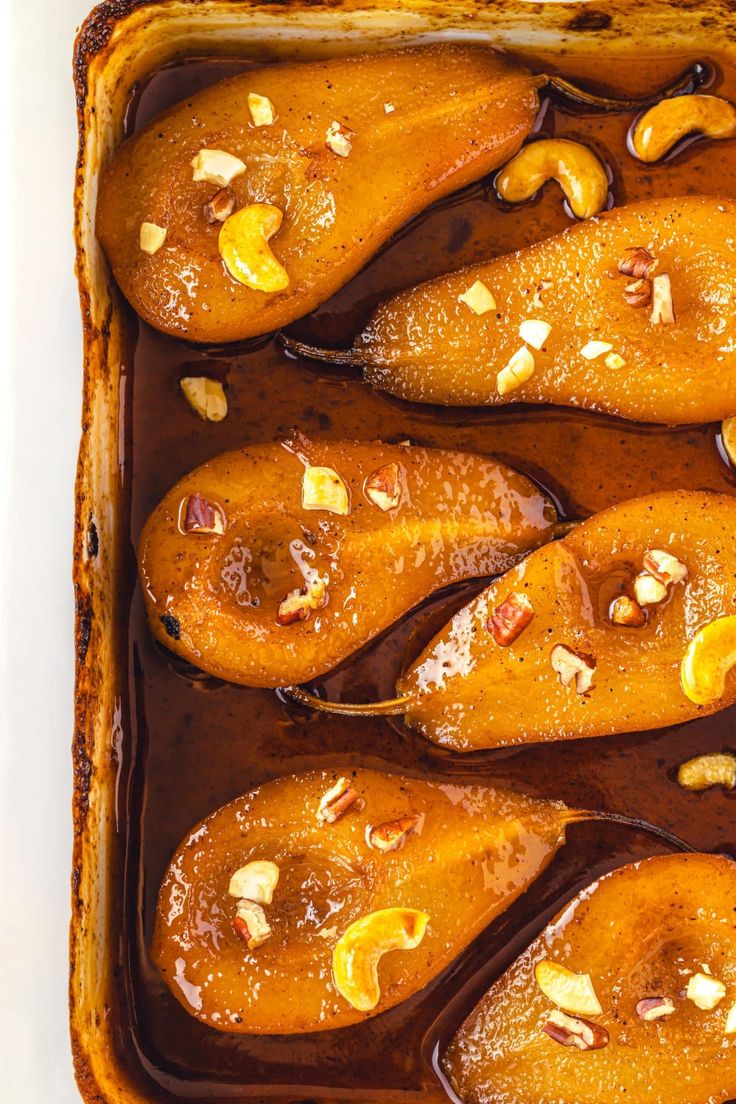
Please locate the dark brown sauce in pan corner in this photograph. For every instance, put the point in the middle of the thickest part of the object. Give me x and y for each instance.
(190, 743)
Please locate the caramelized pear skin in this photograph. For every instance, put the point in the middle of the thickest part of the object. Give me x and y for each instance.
(422, 122)
(286, 593)
(466, 692)
(475, 847)
(428, 346)
(640, 932)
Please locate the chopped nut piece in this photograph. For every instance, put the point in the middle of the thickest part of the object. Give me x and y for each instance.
(534, 332)
(152, 237)
(703, 771)
(638, 294)
(250, 924)
(637, 263)
(625, 611)
(383, 487)
(221, 206)
(728, 438)
(478, 298)
(654, 1008)
(568, 990)
(574, 1031)
(730, 1025)
(392, 835)
(255, 881)
(569, 665)
(648, 590)
(615, 361)
(710, 655)
(338, 139)
(388, 108)
(261, 109)
(203, 516)
(705, 991)
(323, 489)
(205, 396)
(336, 801)
(244, 248)
(663, 310)
(542, 286)
(359, 950)
(594, 349)
(299, 603)
(216, 167)
(518, 370)
(508, 621)
(664, 566)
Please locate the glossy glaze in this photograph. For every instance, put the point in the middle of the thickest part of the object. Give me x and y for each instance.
(641, 931)
(184, 745)
(473, 851)
(458, 516)
(457, 112)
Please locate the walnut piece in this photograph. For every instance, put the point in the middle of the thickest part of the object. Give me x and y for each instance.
(625, 611)
(299, 603)
(637, 263)
(508, 621)
(639, 293)
(664, 566)
(250, 924)
(339, 139)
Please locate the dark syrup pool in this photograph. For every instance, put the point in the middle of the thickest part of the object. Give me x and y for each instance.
(187, 744)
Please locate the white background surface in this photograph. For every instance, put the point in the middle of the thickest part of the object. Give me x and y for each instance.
(40, 395)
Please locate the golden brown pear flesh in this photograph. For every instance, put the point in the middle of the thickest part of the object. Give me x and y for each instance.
(427, 345)
(424, 121)
(475, 847)
(639, 932)
(215, 599)
(468, 691)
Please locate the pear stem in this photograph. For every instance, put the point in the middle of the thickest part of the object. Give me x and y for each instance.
(296, 348)
(693, 77)
(392, 707)
(639, 825)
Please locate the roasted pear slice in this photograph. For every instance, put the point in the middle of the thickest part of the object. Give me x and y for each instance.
(658, 941)
(318, 899)
(272, 564)
(356, 147)
(589, 636)
(611, 315)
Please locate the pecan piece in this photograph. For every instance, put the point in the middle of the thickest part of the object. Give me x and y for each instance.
(625, 611)
(299, 603)
(638, 263)
(336, 801)
(571, 666)
(575, 1031)
(221, 206)
(638, 294)
(508, 621)
(392, 835)
(383, 487)
(654, 1008)
(665, 567)
(203, 516)
(250, 925)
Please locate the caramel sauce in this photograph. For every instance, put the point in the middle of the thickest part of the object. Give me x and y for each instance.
(194, 743)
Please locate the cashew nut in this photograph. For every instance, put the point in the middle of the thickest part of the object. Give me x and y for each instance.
(244, 247)
(568, 990)
(359, 950)
(728, 439)
(704, 771)
(578, 171)
(710, 656)
(255, 881)
(660, 128)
